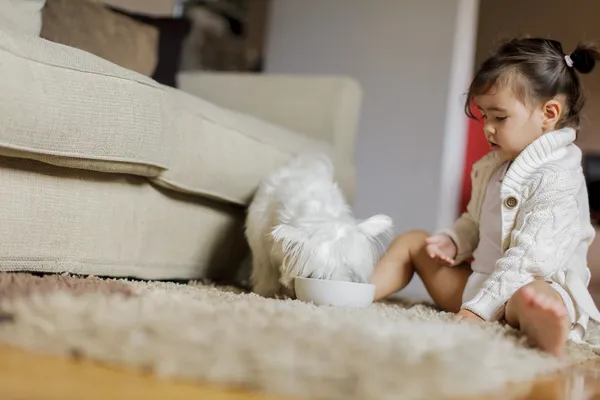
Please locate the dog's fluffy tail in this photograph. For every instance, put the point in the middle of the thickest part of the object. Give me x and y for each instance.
(315, 162)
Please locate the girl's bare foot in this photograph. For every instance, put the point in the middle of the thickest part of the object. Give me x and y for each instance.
(544, 321)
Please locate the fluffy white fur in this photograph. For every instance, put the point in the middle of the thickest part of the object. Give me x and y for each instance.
(300, 225)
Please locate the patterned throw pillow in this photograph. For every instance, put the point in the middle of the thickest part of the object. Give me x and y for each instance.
(91, 26)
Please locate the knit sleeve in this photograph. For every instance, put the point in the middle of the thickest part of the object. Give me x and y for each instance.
(546, 234)
(465, 235)
(465, 230)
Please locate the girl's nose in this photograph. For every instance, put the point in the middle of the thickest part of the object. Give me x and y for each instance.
(488, 129)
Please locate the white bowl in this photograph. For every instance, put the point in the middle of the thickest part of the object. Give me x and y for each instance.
(334, 293)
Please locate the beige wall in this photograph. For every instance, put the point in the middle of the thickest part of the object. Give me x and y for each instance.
(569, 22)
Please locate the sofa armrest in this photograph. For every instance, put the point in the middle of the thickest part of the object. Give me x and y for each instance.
(322, 107)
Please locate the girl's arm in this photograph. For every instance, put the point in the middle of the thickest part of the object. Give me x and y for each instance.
(546, 234)
(465, 231)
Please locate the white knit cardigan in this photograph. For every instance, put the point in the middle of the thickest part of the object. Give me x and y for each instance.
(546, 227)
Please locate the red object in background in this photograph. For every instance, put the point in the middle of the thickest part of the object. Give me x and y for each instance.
(477, 147)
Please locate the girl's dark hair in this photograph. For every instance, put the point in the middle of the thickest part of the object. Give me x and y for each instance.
(538, 71)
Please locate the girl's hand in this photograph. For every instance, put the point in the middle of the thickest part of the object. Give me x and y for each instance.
(467, 315)
(441, 247)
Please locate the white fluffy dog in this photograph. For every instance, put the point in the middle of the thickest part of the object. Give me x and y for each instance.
(299, 225)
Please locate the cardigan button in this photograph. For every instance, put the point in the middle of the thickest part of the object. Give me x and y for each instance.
(511, 202)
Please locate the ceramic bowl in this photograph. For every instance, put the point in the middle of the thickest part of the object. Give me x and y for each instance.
(334, 293)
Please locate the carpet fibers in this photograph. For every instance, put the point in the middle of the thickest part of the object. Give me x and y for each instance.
(196, 331)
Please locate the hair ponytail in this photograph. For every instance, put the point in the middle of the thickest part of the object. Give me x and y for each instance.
(584, 58)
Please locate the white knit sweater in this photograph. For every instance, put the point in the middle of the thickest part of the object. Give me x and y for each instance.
(546, 228)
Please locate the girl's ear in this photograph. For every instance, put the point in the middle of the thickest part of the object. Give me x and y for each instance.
(551, 113)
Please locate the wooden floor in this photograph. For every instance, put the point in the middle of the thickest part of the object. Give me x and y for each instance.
(28, 376)
(24, 375)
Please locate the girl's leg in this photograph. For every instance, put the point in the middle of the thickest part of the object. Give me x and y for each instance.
(405, 256)
(540, 313)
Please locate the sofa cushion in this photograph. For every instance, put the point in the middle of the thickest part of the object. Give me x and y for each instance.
(24, 16)
(68, 220)
(223, 154)
(66, 107)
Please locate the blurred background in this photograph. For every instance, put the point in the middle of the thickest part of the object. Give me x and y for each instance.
(412, 58)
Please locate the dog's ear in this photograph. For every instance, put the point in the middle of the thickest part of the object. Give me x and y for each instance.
(287, 233)
(376, 225)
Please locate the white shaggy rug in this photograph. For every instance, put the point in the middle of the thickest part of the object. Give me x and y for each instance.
(386, 351)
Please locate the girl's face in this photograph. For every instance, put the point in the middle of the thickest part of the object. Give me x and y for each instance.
(509, 125)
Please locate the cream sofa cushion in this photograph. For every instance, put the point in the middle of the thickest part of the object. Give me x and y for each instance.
(68, 220)
(326, 108)
(223, 154)
(66, 107)
(24, 16)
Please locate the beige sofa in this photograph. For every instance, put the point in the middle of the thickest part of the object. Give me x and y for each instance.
(103, 171)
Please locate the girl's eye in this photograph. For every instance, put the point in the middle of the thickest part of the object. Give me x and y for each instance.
(500, 118)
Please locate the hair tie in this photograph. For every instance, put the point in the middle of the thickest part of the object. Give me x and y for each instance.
(569, 61)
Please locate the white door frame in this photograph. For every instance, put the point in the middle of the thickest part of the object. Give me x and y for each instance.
(455, 132)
